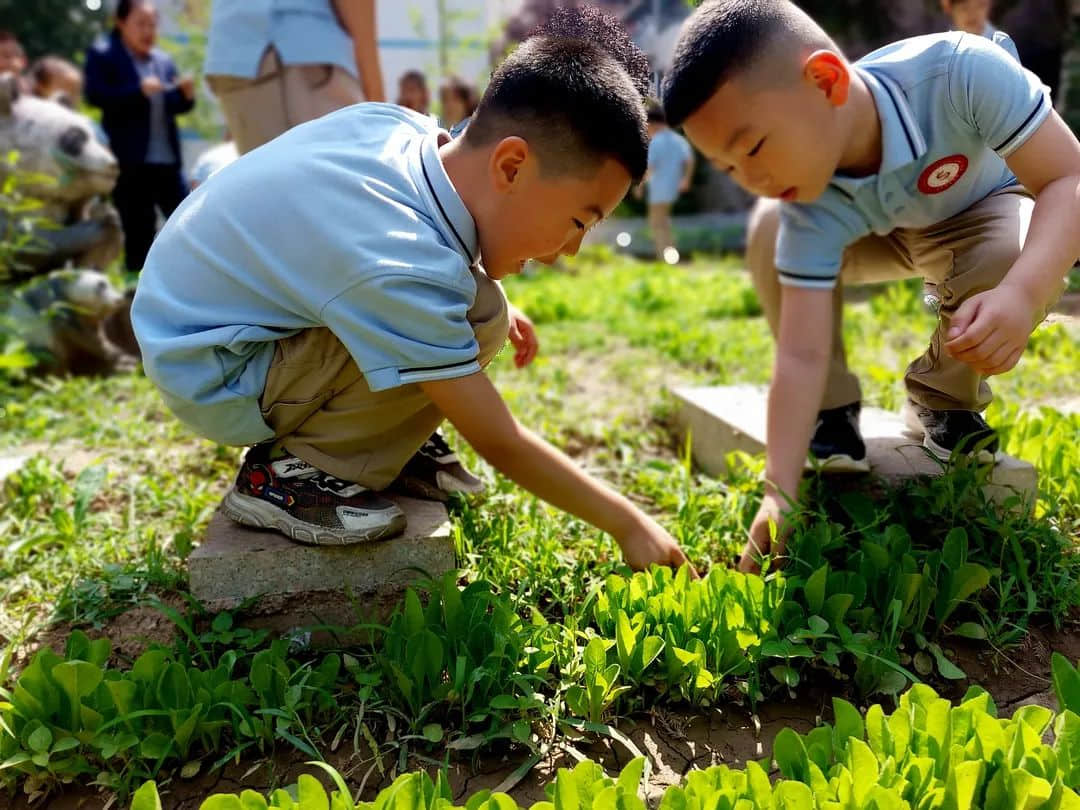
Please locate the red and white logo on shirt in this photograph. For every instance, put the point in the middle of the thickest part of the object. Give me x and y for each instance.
(942, 174)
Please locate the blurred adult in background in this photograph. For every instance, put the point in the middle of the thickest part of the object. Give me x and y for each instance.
(413, 92)
(140, 94)
(274, 64)
(457, 100)
(52, 77)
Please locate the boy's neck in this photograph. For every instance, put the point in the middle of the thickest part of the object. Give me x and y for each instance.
(464, 167)
(862, 154)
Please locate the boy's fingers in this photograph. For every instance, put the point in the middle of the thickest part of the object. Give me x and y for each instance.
(974, 334)
(996, 358)
(748, 565)
(980, 355)
(966, 315)
(1010, 363)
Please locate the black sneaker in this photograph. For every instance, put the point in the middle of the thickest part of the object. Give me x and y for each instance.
(308, 505)
(944, 432)
(434, 472)
(837, 445)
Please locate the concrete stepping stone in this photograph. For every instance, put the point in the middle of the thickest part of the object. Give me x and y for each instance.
(723, 419)
(298, 585)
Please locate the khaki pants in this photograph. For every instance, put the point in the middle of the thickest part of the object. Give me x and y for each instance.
(660, 225)
(321, 410)
(280, 97)
(964, 255)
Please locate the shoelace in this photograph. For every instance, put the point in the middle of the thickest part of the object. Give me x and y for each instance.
(436, 446)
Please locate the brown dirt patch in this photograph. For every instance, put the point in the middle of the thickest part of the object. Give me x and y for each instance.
(131, 633)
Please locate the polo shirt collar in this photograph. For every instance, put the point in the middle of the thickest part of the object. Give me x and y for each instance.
(447, 209)
(902, 140)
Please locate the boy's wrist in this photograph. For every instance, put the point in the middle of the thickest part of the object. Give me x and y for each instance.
(1026, 293)
(626, 521)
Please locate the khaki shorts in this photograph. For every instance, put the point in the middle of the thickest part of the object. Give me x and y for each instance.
(280, 97)
(321, 410)
(962, 256)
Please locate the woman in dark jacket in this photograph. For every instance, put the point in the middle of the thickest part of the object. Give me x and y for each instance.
(138, 90)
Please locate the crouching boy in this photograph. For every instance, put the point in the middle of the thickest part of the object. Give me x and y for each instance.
(332, 296)
(938, 156)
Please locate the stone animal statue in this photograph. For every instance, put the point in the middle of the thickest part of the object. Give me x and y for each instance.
(62, 165)
(73, 322)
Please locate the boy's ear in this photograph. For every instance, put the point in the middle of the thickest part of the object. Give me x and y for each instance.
(507, 158)
(830, 74)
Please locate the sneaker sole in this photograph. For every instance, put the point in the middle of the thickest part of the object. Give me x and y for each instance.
(917, 431)
(258, 514)
(840, 463)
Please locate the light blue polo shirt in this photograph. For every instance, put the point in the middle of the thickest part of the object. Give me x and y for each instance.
(952, 107)
(349, 222)
(668, 155)
(302, 31)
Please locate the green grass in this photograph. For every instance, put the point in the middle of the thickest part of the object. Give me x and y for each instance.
(613, 334)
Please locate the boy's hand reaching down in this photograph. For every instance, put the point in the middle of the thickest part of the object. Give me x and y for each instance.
(648, 543)
(474, 407)
(760, 542)
(990, 330)
(522, 337)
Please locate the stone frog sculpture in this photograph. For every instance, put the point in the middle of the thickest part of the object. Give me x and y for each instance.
(62, 165)
(73, 322)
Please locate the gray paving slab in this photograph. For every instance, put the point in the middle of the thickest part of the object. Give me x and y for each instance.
(723, 419)
(235, 563)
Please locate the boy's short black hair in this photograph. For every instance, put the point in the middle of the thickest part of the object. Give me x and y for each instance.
(724, 38)
(574, 90)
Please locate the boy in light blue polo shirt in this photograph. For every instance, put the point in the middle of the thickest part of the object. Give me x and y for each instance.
(938, 156)
(332, 296)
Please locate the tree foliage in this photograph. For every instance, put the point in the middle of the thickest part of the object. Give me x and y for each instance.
(62, 27)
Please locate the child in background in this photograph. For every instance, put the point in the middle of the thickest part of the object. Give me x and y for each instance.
(971, 16)
(413, 92)
(457, 101)
(671, 168)
(12, 55)
(55, 78)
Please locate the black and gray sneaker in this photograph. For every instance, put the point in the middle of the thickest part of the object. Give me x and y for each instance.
(434, 472)
(944, 432)
(308, 505)
(837, 445)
